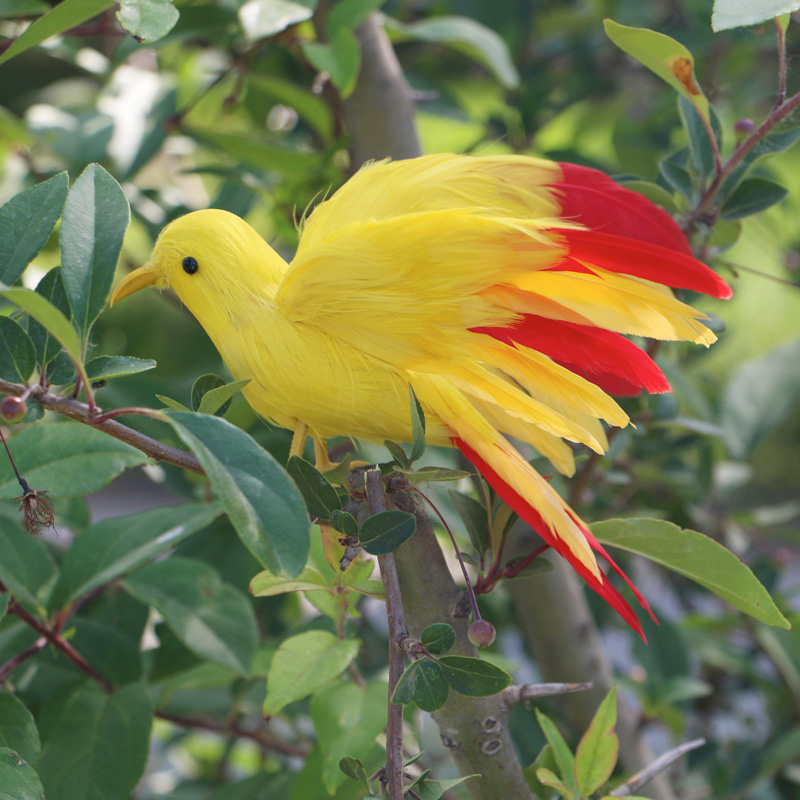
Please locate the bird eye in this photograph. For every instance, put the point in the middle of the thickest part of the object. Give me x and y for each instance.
(190, 265)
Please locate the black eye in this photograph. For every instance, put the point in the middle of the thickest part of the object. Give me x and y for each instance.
(190, 265)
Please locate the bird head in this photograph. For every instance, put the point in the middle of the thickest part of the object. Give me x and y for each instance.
(211, 259)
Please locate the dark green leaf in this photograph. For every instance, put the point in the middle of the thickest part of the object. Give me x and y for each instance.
(467, 36)
(26, 222)
(654, 193)
(751, 196)
(771, 144)
(406, 685)
(340, 58)
(115, 547)
(15, 9)
(5, 599)
(261, 500)
(475, 519)
(51, 287)
(204, 384)
(473, 676)
(385, 532)
(26, 567)
(398, 454)
(104, 368)
(350, 13)
(430, 686)
(677, 176)
(434, 790)
(18, 729)
(96, 216)
(433, 474)
(94, 744)
(218, 400)
(303, 664)
(417, 426)
(213, 619)
(18, 781)
(174, 405)
(321, 498)
(697, 557)
(759, 397)
(17, 356)
(61, 370)
(147, 20)
(67, 459)
(344, 522)
(438, 638)
(354, 769)
(109, 649)
(699, 143)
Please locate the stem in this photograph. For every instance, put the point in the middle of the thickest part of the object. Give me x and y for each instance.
(22, 482)
(781, 64)
(20, 658)
(376, 501)
(81, 412)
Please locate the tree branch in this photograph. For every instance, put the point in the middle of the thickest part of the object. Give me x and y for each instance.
(658, 766)
(80, 412)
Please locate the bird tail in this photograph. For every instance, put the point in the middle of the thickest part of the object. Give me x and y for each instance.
(519, 485)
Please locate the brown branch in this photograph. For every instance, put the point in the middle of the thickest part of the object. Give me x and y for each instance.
(659, 765)
(80, 412)
(260, 737)
(20, 658)
(376, 501)
(519, 693)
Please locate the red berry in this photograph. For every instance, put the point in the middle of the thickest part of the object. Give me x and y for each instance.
(12, 409)
(481, 633)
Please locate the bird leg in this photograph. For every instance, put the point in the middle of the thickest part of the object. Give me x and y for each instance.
(299, 439)
(321, 458)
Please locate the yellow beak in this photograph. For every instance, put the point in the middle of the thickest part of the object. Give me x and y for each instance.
(138, 279)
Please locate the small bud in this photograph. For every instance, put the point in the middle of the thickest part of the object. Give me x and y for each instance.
(13, 409)
(481, 633)
(744, 126)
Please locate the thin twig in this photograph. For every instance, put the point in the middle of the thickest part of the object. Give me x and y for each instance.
(659, 765)
(376, 500)
(260, 737)
(519, 693)
(81, 412)
(20, 658)
(781, 64)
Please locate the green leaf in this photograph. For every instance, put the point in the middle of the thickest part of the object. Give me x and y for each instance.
(417, 426)
(398, 454)
(5, 599)
(771, 144)
(18, 729)
(350, 13)
(17, 355)
(51, 287)
(467, 36)
(438, 638)
(344, 522)
(737, 14)
(561, 752)
(267, 584)
(261, 500)
(147, 20)
(96, 216)
(340, 58)
(546, 759)
(699, 143)
(549, 778)
(26, 222)
(354, 769)
(104, 368)
(320, 497)
(668, 59)
(433, 474)
(310, 107)
(759, 396)
(676, 175)
(433, 790)
(117, 546)
(347, 718)
(26, 567)
(67, 459)
(94, 744)
(422, 683)
(751, 196)
(218, 400)
(18, 781)
(382, 533)
(173, 405)
(213, 619)
(697, 557)
(475, 519)
(654, 193)
(598, 749)
(473, 676)
(262, 18)
(304, 664)
(64, 16)
(15, 9)
(204, 384)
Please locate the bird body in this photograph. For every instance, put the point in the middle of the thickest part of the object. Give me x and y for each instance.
(496, 286)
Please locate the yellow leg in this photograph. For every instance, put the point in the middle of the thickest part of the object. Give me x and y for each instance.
(323, 462)
(299, 440)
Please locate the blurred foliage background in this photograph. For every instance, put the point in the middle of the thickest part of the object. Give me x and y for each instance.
(228, 110)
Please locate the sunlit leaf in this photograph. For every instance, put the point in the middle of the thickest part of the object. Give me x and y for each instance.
(147, 20)
(597, 751)
(738, 13)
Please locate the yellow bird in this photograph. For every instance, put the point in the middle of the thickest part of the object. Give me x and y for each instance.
(498, 287)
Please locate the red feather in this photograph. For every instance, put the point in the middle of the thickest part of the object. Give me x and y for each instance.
(607, 359)
(528, 513)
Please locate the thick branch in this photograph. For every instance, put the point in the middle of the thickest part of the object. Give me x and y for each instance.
(74, 409)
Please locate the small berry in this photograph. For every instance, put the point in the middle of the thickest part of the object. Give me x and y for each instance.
(13, 409)
(744, 126)
(481, 633)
